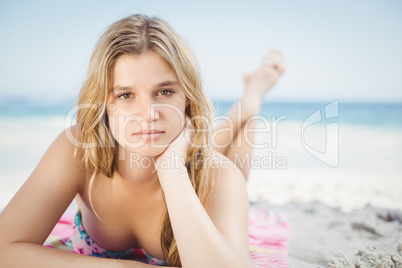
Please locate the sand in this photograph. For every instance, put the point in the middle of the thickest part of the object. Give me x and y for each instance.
(326, 237)
(338, 218)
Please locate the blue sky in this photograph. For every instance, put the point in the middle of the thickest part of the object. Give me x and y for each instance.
(335, 50)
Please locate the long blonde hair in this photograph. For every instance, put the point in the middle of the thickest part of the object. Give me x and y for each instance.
(135, 35)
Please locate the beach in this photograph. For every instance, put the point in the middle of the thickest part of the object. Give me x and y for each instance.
(339, 203)
(344, 216)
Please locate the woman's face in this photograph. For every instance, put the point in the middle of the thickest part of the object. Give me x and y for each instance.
(146, 105)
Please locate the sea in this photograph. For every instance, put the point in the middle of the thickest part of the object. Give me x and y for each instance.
(291, 136)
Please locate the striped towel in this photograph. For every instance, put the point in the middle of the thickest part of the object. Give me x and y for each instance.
(61, 233)
(269, 235)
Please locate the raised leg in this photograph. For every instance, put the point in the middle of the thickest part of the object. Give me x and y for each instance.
(234, 137)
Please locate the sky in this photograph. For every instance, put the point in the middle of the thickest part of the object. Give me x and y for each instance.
(334, 50)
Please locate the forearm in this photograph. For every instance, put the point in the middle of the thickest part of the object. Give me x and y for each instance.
(199, 242)
(23, 254)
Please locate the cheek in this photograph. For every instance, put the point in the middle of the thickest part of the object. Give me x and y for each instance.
(123, 126)
(175, 118)
(117, 125)
(177, 110)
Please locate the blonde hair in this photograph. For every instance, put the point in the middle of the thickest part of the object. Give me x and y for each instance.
(137, 34)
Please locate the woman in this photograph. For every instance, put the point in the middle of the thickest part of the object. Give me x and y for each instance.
(142, 114)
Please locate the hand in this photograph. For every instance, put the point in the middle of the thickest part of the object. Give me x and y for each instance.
(176, 154)
(258, 83)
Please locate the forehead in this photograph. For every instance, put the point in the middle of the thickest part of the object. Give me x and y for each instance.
(146, 68)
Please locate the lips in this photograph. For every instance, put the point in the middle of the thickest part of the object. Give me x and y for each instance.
(152, 131)
(148, 135)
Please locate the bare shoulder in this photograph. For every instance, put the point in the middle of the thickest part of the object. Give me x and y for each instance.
(225, 173)
(68, 142)
(68, 150)
(63, 160)
(227, 182)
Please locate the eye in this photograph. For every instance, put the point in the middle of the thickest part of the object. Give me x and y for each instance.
(165, 92)
(125, 96)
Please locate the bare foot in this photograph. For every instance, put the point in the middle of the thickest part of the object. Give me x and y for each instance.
(259, 82)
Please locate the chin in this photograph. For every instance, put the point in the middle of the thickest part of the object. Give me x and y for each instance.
(149, 151)
(140, 148)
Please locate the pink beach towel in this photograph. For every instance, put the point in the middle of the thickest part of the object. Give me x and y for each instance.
(269, 235)
(61, 232)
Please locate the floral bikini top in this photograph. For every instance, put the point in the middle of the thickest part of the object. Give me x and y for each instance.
(81, 243)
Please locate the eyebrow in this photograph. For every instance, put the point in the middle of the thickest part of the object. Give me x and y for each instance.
(166, 83)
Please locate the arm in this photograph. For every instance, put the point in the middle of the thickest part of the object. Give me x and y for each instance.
(218, 239)
(33, 212)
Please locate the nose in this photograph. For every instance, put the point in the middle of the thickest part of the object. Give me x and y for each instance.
(147, 110)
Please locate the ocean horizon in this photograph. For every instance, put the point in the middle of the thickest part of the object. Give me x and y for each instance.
(377, 114)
